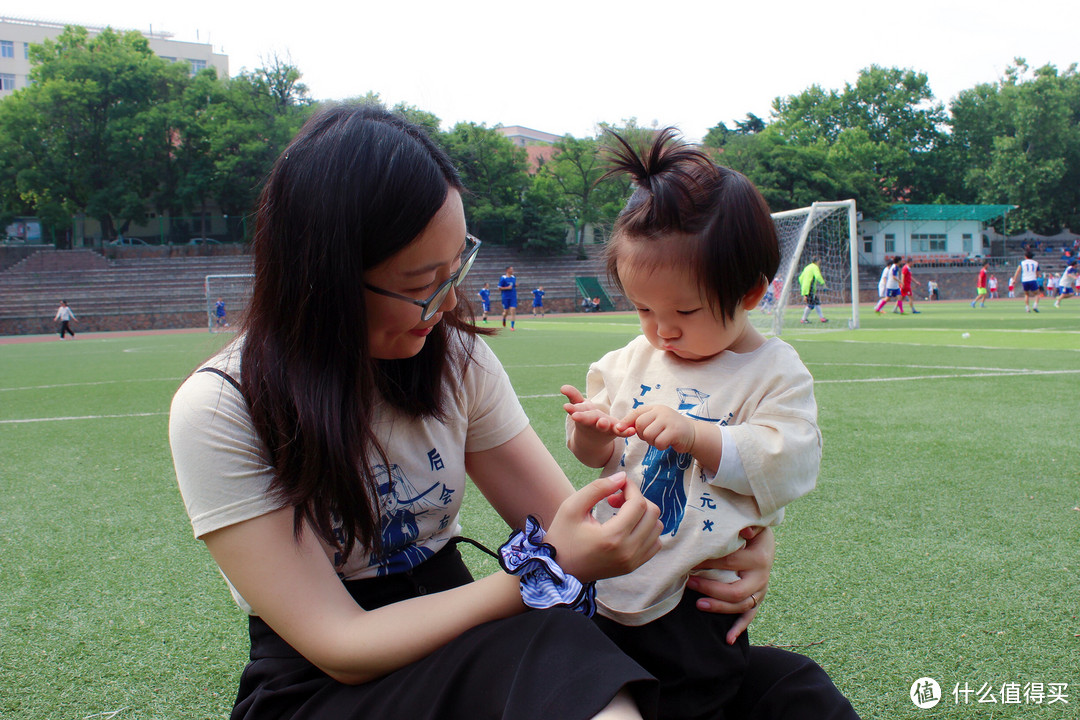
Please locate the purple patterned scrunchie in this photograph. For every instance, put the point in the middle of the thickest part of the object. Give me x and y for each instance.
(543, 583)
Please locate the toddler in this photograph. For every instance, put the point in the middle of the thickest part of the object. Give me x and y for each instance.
(716, 423)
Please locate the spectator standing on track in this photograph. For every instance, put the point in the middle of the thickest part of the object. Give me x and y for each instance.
(65, 316)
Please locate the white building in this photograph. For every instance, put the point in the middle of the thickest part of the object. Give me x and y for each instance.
(17, 34)
(928, 233)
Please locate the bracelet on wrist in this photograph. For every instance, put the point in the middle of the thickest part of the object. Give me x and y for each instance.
(543, 583)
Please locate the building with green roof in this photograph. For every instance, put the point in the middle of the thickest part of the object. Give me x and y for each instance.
(929, 233)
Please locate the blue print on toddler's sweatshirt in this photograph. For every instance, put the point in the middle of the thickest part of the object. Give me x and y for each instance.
(663, 472)
(662, 482)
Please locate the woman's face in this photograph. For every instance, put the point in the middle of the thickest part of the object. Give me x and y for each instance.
(394, 327)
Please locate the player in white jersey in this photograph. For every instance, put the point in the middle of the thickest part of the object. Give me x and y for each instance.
(1028, 272)
(1066, 283)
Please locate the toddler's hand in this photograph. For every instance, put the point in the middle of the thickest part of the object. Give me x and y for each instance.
(588, 416)
(660, 426)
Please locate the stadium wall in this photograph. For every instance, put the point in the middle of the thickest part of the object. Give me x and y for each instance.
(146, 288)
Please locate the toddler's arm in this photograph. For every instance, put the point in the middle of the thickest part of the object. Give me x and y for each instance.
(663, 428)
(592, 436)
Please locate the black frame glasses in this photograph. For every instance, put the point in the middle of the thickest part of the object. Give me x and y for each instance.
(431, 306)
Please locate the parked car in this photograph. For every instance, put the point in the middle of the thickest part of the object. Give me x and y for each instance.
(129, 241)
(203, 241)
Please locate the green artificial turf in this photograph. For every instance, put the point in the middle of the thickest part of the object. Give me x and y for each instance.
(941, 540)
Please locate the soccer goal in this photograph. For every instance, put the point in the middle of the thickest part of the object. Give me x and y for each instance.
(825, 231)
(232, 292)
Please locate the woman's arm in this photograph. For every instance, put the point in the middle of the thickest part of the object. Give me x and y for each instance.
(290, 583)
(521, 477)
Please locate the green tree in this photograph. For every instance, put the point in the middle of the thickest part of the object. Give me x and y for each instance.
(92, 133)
(574, 171)
(543, 228)
(887, 119)
(1017, 142)
(248, 127)
(494, 171)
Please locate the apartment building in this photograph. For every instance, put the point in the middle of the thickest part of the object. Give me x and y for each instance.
(17, 34)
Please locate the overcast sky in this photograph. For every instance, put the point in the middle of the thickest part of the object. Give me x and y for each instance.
(562, 66)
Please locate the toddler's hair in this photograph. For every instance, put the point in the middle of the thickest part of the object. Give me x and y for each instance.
(687, 210)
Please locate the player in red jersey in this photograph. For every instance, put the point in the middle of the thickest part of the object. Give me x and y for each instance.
(906, 279)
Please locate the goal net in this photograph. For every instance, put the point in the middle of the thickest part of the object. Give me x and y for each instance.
(825, 231)
(227, 299)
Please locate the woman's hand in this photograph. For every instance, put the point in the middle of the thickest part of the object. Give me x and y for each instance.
(753, 563)
(590, 550)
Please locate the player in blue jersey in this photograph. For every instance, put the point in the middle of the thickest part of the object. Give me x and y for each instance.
(538, 301)
(508, 285)
(219, 313)
(485, 300)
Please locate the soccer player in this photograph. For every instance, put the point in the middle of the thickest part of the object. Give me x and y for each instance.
(906, 279)
(219, 313)
(538, 301)
(810, 280)
(1066, 283)
(981, 290)
(1028, 273)
(485, 300)
(889, 284)
(508, 285)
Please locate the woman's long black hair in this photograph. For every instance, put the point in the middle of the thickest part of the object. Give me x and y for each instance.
(354, 187)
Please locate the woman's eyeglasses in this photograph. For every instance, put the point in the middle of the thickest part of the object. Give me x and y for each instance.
(431, 306)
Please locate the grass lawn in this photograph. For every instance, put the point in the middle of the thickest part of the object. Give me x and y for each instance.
(941, 541)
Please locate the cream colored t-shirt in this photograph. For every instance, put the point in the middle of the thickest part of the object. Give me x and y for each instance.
(765, 402)
(224, 471)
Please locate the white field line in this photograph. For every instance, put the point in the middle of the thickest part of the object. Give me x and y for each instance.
(89, 384)
(80, 417)
(983, 372)
(949, 377)
(983, 368)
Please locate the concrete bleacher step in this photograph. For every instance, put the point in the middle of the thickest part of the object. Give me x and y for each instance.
(168, 291)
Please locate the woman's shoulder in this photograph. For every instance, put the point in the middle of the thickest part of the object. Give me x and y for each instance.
(218, 374)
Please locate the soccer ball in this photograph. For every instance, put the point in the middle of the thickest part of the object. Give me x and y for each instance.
(966, 335)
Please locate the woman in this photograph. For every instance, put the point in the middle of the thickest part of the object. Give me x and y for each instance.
(322, 458)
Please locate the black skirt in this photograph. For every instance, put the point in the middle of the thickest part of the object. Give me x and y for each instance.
(540, 664)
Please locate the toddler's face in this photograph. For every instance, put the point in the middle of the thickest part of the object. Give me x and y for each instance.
(676, 317)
